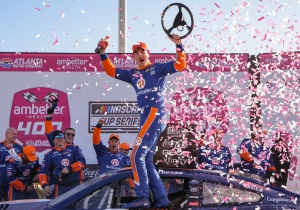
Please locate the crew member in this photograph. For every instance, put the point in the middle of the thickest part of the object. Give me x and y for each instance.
(21, 173)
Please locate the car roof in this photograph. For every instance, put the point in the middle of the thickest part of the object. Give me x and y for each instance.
(102, 180)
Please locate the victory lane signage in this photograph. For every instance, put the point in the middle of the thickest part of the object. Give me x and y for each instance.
(177, 147)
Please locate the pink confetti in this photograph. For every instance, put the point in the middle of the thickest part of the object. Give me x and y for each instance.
(55, 42)
(135, 17)
(135, 75)
(261, 18)
(105, 86)
(217, 5)
(163, 49)
(38, 9)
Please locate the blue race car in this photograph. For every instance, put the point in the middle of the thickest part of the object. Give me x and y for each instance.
(187, 189)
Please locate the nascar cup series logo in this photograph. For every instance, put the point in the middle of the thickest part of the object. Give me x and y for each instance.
(28, 113)
(206, 107)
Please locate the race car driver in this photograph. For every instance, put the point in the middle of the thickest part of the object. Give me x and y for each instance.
(148, 80)
(62, 164)
(108, 158)
(214, 156)
(20, 174)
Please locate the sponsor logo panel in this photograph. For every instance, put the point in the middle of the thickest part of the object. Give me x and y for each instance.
(119, 117)
(6, 62)
(28, 113)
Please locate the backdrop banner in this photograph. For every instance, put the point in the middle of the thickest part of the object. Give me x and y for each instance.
(211, 93)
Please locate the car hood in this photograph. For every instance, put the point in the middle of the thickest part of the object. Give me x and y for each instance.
(25, 204)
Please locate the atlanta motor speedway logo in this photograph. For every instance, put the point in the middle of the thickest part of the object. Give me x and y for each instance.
(120, 117)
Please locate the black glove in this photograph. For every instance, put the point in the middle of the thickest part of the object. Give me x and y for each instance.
(50, 110)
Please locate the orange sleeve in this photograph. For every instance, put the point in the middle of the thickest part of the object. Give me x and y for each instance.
(18, 185)
(96, 136)
(81, 175)
(77, 166)
(109, 67)
(130, 182)
(180, 63)
(43, 179)
(246, 155)
(48, 126)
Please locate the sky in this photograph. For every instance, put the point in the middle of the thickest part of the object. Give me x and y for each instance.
(75, 26)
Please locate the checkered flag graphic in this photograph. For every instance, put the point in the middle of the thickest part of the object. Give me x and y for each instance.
(49, 94)
(30, 97)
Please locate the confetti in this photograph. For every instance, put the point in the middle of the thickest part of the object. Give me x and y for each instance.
(261, 18)
(55, 41)
(217, 5)
(62, 14)
(38, 9)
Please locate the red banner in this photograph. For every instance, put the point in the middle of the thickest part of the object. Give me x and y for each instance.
(58, 62)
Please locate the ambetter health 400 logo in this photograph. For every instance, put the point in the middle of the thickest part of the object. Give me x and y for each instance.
(28, 113)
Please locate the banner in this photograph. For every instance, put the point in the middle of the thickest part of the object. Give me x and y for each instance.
(215, 84)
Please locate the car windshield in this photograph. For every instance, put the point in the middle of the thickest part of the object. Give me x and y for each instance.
(82, 187)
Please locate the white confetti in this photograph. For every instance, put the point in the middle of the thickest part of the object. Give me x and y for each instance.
(108, 28)
(77, 121)
(146, 21)
(87, 39)
(82, 11)
(37, 36)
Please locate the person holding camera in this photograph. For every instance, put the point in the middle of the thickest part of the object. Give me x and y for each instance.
(62, 165)
(21, 173)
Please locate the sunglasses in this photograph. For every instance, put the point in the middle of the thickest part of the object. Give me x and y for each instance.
(60, 136)
(70, 134)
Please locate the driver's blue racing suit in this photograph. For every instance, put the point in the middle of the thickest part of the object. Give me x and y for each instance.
(149, 83)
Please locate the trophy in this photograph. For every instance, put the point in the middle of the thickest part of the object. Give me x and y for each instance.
(179, 21)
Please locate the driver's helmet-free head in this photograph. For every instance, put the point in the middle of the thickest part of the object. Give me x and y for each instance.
(138, 45)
